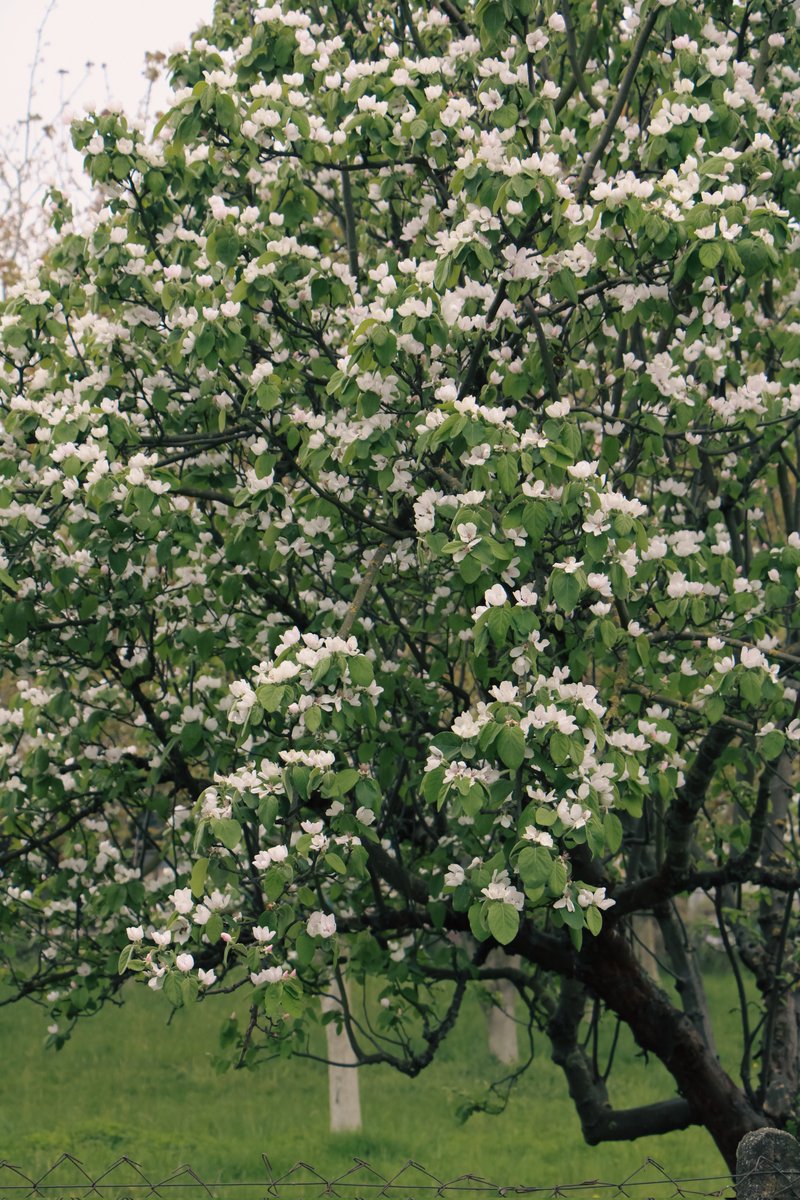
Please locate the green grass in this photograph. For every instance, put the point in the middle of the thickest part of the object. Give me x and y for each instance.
(128, 1083)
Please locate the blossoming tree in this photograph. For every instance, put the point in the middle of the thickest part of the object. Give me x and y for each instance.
(401, 537)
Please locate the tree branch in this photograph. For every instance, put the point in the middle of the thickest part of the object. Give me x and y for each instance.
(363, 589)
(688, 801)
(616, 110)
(350, 225)
(599, 1121)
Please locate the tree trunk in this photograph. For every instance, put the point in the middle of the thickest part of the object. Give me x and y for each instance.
(500, 1019)
(779, 1058)
(344, 1096)
(609, 968)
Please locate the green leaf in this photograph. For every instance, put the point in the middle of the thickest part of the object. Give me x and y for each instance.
(568, 282)
(268, 811)
(682, 265)
(361, 670)
(213, 927)
(534, 865)
(506, 116)
(508, 473)
(750, 684)
(368, 793)
(772, 744)
(560, 746)
(503, 922)
(609, 633)
(274, 883)
(558, 878)
(470, 569)
(344, 781)
(574, 919)
(710, 254)
(432, 785)
(124, 959)
(198, 880)
(441, 274)
(473, 800)
(223, 246)
(313, 717)
(227, 831)
(10, 583)
(384, 345)
(173, 991)
(226, 111)
(321, 669)
(493, 19)
(535, 520)
(511, 746)
(477, 921)
(498, 622)
(306, 947)
(270, 696)
(754, 255)
(566, 590)
(612, 831)
(335, 862)
(593, 918)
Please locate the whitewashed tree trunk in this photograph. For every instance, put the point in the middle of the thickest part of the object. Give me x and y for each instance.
(500, 1018)
(344, 1097)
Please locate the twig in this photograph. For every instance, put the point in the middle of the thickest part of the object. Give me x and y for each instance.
(686, 706)
(363, 588)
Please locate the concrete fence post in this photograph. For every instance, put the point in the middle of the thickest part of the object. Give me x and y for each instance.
(768, 1166)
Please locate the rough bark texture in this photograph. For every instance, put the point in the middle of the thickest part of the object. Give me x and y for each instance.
(600, 1122)
(609, 968)
(779, 1080)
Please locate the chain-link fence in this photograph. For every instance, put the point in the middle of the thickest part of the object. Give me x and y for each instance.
(125, 1179)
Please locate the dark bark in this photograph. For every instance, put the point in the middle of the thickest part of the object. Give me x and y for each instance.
(688, 801)
(599, 1121)
(673, 873)
(779, 1058)
(608, 968)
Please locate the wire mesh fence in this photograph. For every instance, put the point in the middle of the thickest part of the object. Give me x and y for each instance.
(125, 1179)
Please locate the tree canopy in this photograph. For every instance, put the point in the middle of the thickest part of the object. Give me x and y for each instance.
(401, 535)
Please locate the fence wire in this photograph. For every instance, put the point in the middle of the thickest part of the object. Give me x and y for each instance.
(125, 1179)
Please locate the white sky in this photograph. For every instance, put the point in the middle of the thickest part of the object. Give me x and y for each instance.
(114, 32)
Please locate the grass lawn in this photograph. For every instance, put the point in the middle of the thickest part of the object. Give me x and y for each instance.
(129, 1084)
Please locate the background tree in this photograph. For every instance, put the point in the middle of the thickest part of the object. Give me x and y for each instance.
(36, 152)
(35, 155)
(400, 534)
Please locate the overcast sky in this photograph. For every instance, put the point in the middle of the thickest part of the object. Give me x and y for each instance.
(114, 32)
